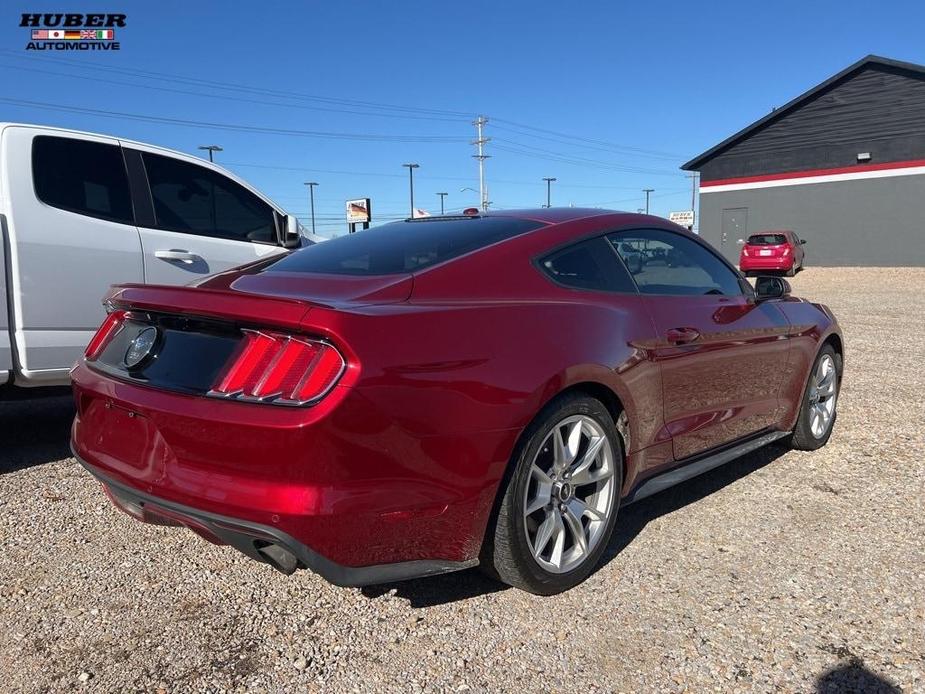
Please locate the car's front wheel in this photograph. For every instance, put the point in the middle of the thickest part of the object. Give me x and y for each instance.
(558, 510)
(817, 411)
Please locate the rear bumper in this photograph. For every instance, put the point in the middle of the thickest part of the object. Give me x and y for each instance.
(347, 481)
(254, 539)
(751, 264)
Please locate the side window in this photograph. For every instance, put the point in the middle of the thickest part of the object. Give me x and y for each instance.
(196, 200)
(665, 262)
(588, 265)
(81, 176)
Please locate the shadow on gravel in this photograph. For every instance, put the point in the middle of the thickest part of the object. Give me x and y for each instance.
(854, 678)
(439, 590)
(35, 431)
(635, 517)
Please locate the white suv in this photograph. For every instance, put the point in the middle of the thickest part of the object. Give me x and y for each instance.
(79, 212)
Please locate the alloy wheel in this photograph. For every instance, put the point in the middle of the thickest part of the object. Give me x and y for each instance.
(569, 495)
(822, 394)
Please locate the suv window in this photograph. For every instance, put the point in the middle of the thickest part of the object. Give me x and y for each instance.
(589, 264)
(195, 200)
(81, 176)
(665, 262)
(403, 246)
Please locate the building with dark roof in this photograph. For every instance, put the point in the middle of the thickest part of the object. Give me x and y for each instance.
(843, 165)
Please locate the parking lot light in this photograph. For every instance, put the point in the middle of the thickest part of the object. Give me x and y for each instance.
(211, 149)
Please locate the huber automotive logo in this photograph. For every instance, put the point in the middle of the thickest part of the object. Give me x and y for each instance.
(72, 32)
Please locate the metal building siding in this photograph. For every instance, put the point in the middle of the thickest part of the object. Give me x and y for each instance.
(868, 222)
(878, 110)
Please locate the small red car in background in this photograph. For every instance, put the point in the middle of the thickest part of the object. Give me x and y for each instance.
(772, 251)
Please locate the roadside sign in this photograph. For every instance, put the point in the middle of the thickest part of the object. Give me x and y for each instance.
(684, 218)
(358, 211)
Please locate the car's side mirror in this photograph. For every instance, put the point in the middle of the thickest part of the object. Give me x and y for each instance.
(771, 288)
(802, 242)
(287, 231)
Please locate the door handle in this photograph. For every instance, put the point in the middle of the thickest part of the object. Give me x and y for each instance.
(682, 336)
(177, 255)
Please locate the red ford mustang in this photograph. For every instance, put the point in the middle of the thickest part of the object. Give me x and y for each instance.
(436, 394)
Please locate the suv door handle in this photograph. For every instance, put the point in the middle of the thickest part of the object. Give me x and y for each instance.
(177, 255)
(682, 336)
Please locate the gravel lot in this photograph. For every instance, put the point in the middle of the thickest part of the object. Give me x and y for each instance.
(784, 571)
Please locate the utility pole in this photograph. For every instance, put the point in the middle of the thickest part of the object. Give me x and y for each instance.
(442, 196)
(647, 191)
(411, 168)
(481, 156)
(693, 175)
(311, 196)
(211, 148)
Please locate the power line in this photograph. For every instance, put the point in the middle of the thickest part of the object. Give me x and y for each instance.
(623, 151)
(239, 99)
(539, 153)
(603, 143)
(363, 137)
(663, 194)
(367, 108)
(230, 86)
(341, 172)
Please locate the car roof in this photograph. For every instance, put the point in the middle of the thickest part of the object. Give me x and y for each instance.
(552, 215)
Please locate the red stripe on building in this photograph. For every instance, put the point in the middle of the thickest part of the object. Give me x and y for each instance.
(860, 168)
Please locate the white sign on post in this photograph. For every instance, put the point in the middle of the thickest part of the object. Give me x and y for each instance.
(684, 218)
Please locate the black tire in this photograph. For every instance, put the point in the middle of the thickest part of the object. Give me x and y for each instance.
(507, 555)
(802, 438)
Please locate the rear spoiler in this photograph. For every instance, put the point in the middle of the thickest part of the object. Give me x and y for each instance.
(210, 303)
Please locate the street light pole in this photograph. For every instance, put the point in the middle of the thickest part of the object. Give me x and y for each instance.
(549, 182)
(411, 168)
(211, 148)
(442, 196)
(311, 196)
(647, 191)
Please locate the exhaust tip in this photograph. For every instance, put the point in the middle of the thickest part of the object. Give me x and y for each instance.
(279, 558)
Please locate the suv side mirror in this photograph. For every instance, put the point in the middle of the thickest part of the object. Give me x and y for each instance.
(287, 231)
(802, 242)
(771, 288)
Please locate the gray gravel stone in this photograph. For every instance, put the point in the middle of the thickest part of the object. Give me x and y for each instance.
(783, 571)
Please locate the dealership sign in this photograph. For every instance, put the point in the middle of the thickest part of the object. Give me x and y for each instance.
(359, 211)
(72, 32)
(684, 218)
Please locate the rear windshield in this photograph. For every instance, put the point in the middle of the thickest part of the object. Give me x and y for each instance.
(766, 240)
(402, 246)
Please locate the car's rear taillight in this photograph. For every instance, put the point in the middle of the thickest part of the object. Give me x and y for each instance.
(786, 251)
(107, 331)
(279, 369)
(745, 251)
